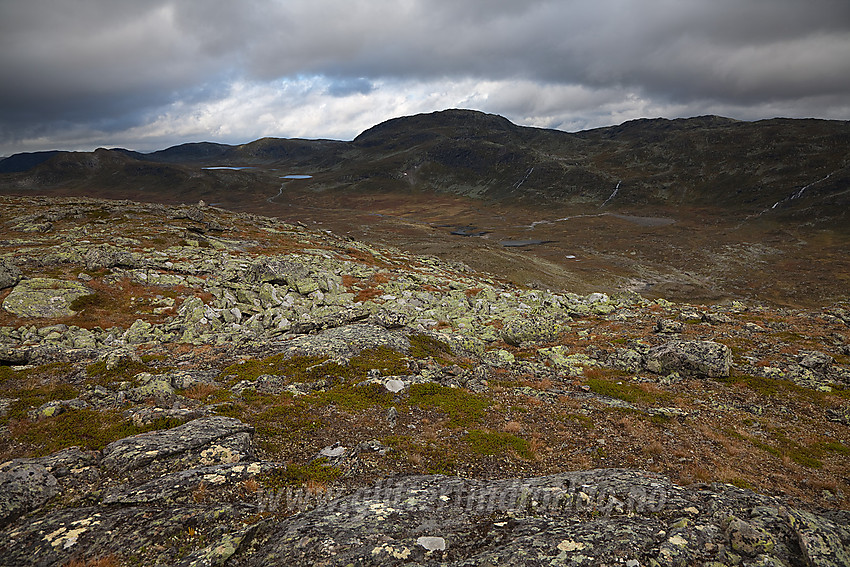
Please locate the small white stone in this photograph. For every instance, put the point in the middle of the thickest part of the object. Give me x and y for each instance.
(394, 386)
(431, 543)
(333, 452)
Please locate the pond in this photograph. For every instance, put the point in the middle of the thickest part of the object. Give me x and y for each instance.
(293, 176)
(232, 168)
(520, 243)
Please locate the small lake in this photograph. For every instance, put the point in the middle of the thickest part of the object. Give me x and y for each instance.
(228, 167)
(292, 176)
(521, 243)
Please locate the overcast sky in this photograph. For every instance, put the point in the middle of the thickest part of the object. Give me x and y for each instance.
(147, 74)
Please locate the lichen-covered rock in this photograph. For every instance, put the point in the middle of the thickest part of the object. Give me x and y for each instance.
(275, 271)
(532, 329)
(824, 543)
(10, 355)
(572, 364)
(626, 359)
(208, 440)
(44, 297)
(10, 274)
(151, 385)
(108, 256)
(24, 486)
(597, 517)
(169, 487)
(128, 531)
(690, 358)
(347, 341)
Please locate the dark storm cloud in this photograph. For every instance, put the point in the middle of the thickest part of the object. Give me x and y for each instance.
(113, 66)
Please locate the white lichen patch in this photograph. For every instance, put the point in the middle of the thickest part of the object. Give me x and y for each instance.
(678, 541)
(397, 553)
(215, 478)
(381, 510)
(219, 455)
(66, 537)
(570, 545)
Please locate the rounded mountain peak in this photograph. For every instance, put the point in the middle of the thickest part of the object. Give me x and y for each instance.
(453, 123)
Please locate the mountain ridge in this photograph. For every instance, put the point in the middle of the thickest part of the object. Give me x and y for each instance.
(706, 160)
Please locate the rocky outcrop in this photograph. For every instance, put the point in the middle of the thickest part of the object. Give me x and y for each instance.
(209, 441)
(598, 517)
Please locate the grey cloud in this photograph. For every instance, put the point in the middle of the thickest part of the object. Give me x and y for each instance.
(113, 64)
(345, 87)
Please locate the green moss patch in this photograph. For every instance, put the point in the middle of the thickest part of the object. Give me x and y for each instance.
(86, 428)
(298, 368)
(423, 346)
(355, 398)
(313, 368)
(125, 370)
(463, 408)
(497, 443)
(627, 392)
(317, 471)
(35, 397)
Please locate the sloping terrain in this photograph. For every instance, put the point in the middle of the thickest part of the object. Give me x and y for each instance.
(192, 385)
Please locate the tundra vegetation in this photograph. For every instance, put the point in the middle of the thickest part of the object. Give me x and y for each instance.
(191, 385)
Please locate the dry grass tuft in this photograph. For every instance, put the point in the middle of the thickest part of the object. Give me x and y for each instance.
(105, 561)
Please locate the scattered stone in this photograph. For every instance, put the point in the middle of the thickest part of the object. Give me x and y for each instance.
(392, 416)
(532, 329)
(432, 543)
(10, 274)
(668, 326)
(691, 358)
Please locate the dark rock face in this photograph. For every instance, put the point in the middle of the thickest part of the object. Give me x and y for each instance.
(24, 486)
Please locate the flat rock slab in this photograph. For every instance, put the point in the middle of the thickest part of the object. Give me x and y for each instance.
(209, 441)
(44, 297)
(597, 517)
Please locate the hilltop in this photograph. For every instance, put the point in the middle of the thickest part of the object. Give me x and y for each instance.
(186, 384)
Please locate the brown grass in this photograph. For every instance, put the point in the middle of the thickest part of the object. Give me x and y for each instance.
(105, 561)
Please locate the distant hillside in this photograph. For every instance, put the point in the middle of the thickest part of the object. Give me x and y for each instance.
(791, 167)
